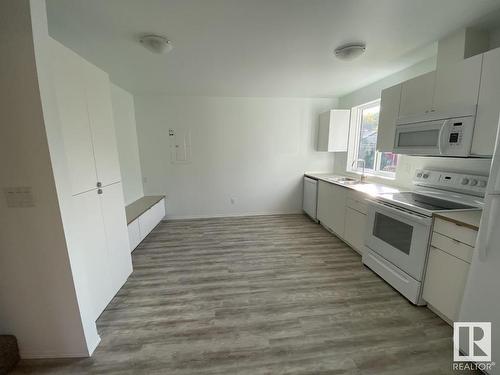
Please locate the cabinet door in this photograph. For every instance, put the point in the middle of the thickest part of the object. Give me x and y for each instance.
(445, 282)
(134, 234)
(488, 106)
(355, 224)
(117, 240)
(92, 249)
(457, 87)
(102, 125)
(331, 206)
(417, 95)
(333, 131)
(71, 100)
(389, 112)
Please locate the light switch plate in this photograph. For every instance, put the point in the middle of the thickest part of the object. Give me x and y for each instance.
(19, 197)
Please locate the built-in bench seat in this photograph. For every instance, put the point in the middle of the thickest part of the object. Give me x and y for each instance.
(143, 216)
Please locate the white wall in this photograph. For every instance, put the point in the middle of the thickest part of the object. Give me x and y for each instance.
(406, 164)
(252, 149)
(126, 139)
(38, 300)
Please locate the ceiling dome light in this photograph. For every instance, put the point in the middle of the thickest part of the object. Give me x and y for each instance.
(156, 43)
(350, 51)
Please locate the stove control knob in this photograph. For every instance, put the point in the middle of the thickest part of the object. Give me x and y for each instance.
(473, 182)
(419, 174)
(464, 181)
(482, 183)
(425, 175)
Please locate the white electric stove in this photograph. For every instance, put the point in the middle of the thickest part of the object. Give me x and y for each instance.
(399, 225)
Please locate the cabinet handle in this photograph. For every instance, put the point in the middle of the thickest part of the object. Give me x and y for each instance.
(99, 191)
(99, 184)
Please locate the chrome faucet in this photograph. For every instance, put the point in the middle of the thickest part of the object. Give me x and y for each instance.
(357, 161)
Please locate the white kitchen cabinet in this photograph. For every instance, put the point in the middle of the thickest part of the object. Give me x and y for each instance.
(92, 251)
(488, 106)
(134, 234)
(355, 225)
(457, 87)
(452, 246)
(417, 95)
(389, 112)
(117, 240)
(71, 100)
(444, 283)
(331, 206)
(100, 111)
(333, 133)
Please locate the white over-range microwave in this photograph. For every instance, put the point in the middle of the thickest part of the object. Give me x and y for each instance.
(442, 137)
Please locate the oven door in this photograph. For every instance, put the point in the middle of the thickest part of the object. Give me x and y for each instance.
(399, 236)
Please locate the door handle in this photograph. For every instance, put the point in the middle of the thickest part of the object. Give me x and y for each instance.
(440, 137)
(99, 184)
(99, 191)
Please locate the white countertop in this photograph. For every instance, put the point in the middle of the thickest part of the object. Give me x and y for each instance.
(368, 188)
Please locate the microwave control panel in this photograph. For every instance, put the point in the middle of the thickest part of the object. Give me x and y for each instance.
(455, 133)
(459, 182)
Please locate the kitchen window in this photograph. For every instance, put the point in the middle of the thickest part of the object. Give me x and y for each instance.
(363, 143)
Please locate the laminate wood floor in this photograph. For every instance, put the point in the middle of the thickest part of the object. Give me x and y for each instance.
(257, 295)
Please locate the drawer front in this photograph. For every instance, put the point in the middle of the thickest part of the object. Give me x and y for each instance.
(158, 211)
(452, 247)
(146, 223)
(445, 282)
(134, 234)
(457, 232)
(356, 201)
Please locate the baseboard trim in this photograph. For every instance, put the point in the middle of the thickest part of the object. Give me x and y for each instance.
(52, 355)
(92, 346)
(218, 216)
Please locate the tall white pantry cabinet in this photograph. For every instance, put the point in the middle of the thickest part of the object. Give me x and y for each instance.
(85, 111)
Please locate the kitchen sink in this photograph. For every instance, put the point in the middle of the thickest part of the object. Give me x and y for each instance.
(344, 180)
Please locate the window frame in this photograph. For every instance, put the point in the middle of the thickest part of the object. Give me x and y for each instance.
(353, 145)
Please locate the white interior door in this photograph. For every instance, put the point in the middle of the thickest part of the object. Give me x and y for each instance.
(72, 106)
(116, 232)
(92, 241)
(102, 125)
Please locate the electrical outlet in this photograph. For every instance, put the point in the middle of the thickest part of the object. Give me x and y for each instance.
(232, 200)
(144, 180)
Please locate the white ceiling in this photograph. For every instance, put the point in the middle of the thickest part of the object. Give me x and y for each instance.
(257, 47)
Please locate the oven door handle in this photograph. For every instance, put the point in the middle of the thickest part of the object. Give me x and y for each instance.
(415, 218)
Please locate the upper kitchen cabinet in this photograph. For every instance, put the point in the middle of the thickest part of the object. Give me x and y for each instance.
(417, 95)
(389, 111)
(333, 133)
(100, 110)
(457, 87)
(488, 107)
(450, 91)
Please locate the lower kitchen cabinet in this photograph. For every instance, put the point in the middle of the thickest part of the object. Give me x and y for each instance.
(444, 283)
(448, 267)
(355, 224)
(332, 206)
